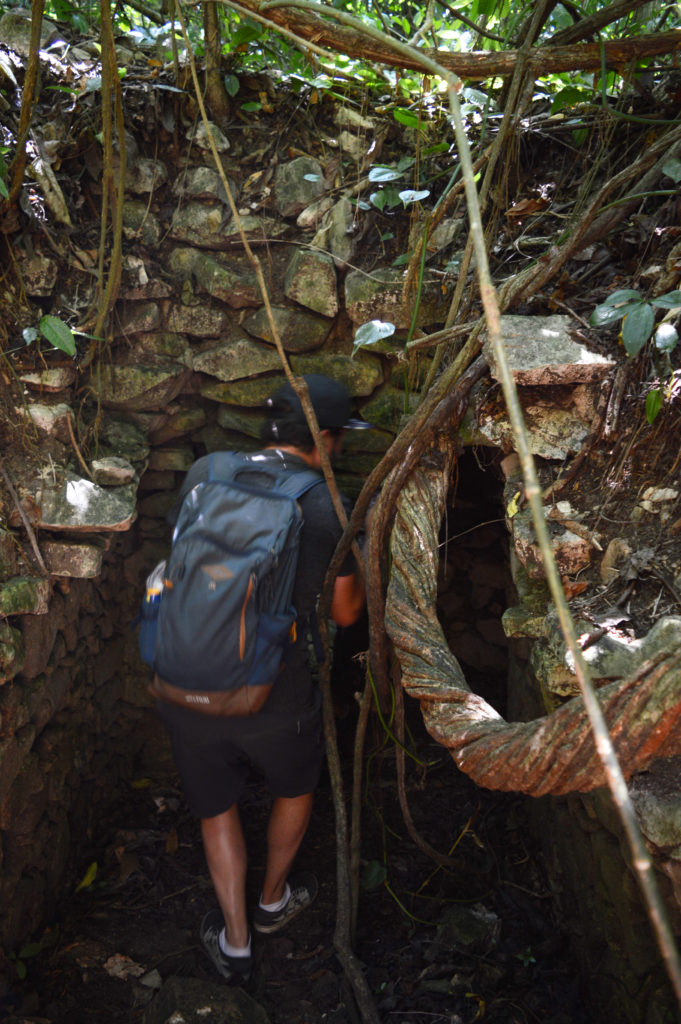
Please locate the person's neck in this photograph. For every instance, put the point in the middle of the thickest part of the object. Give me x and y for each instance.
(287, 449)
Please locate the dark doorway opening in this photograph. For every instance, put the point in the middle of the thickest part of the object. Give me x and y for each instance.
(474, 577)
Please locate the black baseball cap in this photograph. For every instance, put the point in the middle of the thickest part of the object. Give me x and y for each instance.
(330, 400)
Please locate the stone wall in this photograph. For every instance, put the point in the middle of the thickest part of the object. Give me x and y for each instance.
(101, 446)
(71, 724)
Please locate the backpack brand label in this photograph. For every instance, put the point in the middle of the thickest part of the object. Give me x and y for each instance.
(218, 572)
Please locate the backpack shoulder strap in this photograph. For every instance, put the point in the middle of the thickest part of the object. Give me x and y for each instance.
(298, 483)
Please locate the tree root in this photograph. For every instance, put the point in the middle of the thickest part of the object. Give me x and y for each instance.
(556, 754)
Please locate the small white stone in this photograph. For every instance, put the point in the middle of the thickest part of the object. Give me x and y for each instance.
(659, 494)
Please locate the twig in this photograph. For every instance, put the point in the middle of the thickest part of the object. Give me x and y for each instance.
(441, 337)
(612, 414)
(666, 582)
(577, 528)
(356, 814)
(29, 97)
(25, 521)
(76, 448)
(440, 858)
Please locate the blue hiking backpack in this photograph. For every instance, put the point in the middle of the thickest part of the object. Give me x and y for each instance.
(218, 616)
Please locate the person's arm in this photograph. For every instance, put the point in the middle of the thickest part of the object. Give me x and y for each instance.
(348, 600)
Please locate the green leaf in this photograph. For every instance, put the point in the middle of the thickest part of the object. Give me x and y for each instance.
(312, 177)
(251, 107)
(58, 334)
(400, 261)
(370, 333)
(141, 783)
(637, 327)
(231, 85)
(407, 117)
(666, 337)
(439, 147)
(3, 189)
(670, 300)
(384, 174)
(568, 97)
(672, 168)
(245, 34)
(475, 97)
(622, 295)
(392, 198)
(378, 199)
(29, 950)
(21, 970)
(653, 404)
(409, 195)
(603, 314)
(373, 875)
(88, 878)
(62, 88)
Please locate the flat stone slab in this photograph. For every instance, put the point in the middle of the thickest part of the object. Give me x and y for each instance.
(239, 359)
(56, 378)
(78, 561)
(80, 505)
(552, 433)
(541, 351)
(112, 471)
(610, 657)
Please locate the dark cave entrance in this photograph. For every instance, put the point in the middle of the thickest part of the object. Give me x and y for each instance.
(474, 579)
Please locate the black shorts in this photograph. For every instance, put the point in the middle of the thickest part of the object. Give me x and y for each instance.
(214, 756)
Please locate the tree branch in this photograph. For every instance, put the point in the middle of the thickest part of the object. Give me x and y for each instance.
(588, 27)
(479, 65)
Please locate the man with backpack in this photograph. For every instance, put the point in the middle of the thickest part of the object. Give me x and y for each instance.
(282, 740)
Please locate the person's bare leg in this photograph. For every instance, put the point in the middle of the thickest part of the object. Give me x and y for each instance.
(225, 848)
(288, 823)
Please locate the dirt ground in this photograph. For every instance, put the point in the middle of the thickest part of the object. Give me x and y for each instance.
(439, 946)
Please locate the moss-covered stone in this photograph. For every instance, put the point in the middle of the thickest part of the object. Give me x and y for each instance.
(361, 375)
(298, 330)
(223, 283)
(389, 407)
(139, 222)
(237, 359)
(124, 438)
(311, 281)
(242, 421)
(23, 595)
(250, 393)
(11, 654)
(138, 387)
(519, 621)
(8, 554)
(379, 296)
